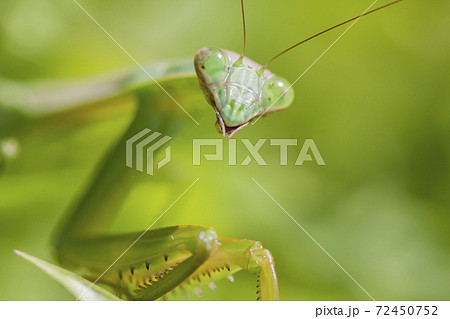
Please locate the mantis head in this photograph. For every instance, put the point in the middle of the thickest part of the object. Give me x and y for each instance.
(238, 88)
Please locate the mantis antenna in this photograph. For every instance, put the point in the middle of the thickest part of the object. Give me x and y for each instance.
(243, 28)
(325, 31)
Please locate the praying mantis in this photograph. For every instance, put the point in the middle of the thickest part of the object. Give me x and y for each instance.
(150, 265)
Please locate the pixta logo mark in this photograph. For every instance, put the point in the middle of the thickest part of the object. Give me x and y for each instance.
(144, 145)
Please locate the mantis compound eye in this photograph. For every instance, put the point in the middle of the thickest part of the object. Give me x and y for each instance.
(277, 94)
(211, 65)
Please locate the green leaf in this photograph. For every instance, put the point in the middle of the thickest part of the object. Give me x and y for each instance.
(75, 284)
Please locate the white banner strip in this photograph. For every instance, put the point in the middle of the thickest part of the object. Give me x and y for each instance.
(228, 310)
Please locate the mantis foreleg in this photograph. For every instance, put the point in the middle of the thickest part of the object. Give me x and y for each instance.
(163, 258)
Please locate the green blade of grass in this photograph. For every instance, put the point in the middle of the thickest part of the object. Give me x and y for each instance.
(74, 283)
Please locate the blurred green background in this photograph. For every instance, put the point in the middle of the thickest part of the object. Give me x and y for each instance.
(376, 105)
